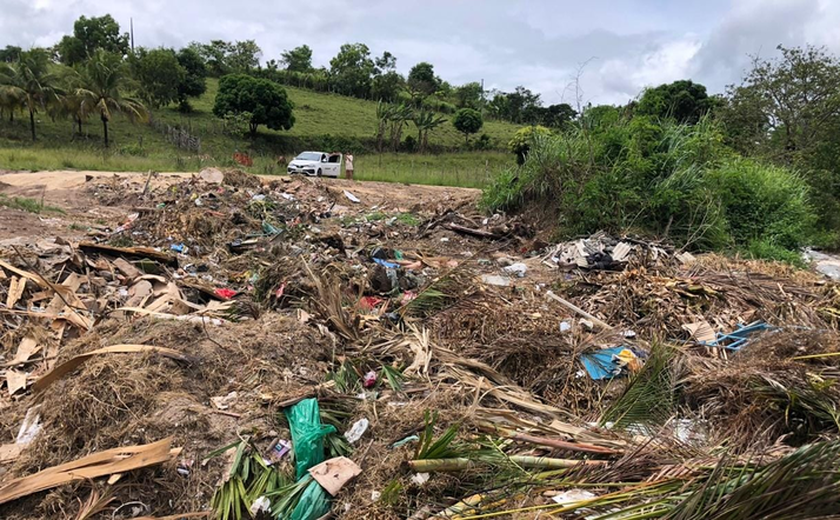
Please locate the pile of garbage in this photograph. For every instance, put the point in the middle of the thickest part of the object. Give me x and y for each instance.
(602, 251)
(242, 349)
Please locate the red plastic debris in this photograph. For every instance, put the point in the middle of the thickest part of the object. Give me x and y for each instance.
(369, 302)
(224, 293)
(369, 379)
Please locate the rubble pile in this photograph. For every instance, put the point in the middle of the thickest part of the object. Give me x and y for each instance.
(236, 348)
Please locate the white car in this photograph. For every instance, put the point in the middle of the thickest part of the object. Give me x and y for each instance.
(316, 164)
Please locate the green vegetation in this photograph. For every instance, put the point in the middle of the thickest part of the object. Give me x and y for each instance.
(27, 204)
(323, 121)
(196, 121)
(264, 102)
(661, 178)
(467, 121)
(468, 169)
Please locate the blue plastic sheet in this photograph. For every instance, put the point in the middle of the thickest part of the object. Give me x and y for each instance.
(738, 339)
(385, 263)
(603, 364)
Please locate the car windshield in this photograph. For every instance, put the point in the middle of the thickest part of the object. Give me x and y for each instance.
(309, 156)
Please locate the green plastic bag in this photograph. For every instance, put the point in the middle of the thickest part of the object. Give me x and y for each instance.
(314, 503)
(307, 435)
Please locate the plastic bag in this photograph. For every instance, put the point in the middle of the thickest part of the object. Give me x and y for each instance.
(314, 503)
(307, 435)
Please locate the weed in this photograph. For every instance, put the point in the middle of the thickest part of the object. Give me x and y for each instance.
(27, 204)
(408, 219)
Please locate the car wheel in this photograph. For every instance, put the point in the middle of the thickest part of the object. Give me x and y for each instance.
(319, 172)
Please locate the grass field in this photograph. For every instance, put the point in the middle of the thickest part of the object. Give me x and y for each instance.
(322, 121)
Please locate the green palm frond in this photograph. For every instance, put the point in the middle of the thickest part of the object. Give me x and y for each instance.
(649, 399)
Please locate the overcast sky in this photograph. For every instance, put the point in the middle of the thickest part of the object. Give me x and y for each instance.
(622, 46)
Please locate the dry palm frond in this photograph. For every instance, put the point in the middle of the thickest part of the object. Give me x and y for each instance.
(328, 304)
(95, 503)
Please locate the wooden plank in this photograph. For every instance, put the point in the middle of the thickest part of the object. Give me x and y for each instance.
(130, 252)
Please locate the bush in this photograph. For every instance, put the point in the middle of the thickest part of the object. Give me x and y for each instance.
(665, 179)
(522, 140)
(409, 144)
(763, 203)
(766, 250)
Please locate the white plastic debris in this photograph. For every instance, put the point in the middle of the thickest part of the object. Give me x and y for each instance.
(420, 478)
(351, 197)
(519, 269)
(565, 326)
(357, 430)
(375, 495)
(495, 279)
(260, 505)
(30, 427)
(573, 496)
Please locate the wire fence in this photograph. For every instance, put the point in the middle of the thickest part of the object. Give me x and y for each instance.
(177, 136)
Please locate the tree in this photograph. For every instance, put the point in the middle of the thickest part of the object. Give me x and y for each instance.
(89, 35)
(469, 95)
(29, 83)
(10, 54)
(194, 82)
(421, 81)
(101, 82)
(789, 104)
(159, 74)
(351, 70)
(298, 59)
(683, 101)
(467, 121)
(387, 86)
(265, 100)
(387, 82)
(214, 55)
(426, 121)
(558, 116)
(244, 56)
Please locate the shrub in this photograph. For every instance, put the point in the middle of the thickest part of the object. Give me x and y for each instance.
(665, 179)
(521, 142)
(763, 203)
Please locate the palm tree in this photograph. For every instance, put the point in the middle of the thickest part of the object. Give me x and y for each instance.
(102, 80)
(9, 95)
(29, 83)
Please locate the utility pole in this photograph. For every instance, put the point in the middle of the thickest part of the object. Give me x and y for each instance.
(482, 98)
(131, 24)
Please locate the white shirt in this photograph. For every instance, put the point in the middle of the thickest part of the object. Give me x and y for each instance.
(348, 162)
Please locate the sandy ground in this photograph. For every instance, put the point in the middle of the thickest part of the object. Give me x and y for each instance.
(63, 189)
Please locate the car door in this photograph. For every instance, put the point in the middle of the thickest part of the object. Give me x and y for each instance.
(333, 167)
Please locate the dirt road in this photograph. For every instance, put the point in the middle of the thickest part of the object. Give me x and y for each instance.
(65, 190)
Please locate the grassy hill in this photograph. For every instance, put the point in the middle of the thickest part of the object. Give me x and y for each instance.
(323, 121)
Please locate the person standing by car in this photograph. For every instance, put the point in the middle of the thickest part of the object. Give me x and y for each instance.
(348, 166)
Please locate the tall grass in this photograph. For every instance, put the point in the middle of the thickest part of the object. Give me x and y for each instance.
(674, 181)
